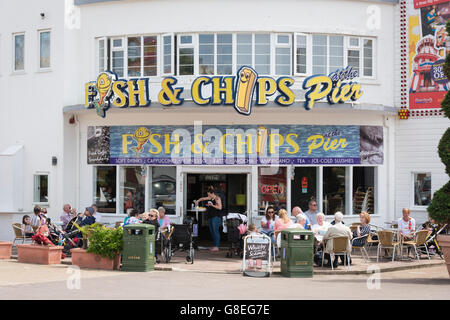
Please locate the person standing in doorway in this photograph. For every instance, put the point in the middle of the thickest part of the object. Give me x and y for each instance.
(214, 215)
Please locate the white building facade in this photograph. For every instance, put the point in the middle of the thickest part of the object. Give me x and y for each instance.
(50, 54)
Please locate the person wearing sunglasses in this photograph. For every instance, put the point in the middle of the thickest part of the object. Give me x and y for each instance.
(268, 222)
(311, 214)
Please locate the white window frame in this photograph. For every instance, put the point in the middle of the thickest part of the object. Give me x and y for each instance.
(39, 50)
(362, 39)
(235, 49)
(308, 54)
(48, 188)
(271, 53)
(172, 54)
(412, 201)
(105, 54)
(123, 48)
(194, 46)
(275, 45)
(14, 35)
(233, 44)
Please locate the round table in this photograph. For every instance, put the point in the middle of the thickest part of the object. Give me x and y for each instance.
(196, 210)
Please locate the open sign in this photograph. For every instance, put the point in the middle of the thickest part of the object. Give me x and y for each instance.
(271, 189)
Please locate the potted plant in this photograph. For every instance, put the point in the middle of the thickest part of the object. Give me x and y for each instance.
(41, 251)
(5, 249)
(439, 208)
(103, 249)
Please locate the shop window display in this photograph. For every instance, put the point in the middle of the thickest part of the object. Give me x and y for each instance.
(363, 190)
(333, 190)
(105, 188)
(163, 188)
(271, 188)
(422, 189)
(303, 187)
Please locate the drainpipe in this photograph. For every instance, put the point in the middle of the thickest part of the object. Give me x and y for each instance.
(78, 163)
(391, 191)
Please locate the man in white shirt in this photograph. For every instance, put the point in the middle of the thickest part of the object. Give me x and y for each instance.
(337, 230)
(406, 225)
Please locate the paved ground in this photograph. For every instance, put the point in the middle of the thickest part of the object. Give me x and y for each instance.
(200, 282)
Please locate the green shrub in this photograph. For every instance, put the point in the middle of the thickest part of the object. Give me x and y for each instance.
(439, 208)
(444, 150)
(445, 105)
(104, 241)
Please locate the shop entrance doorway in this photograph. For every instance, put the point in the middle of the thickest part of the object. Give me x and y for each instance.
(232, 190)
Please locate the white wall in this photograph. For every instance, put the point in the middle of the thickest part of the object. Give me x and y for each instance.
(416, 151)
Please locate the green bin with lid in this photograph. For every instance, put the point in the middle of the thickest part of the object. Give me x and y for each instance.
(138, 247)
(297, 253)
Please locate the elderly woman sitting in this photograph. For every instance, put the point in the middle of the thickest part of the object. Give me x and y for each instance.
(362, 230)
(321, 227)
(301, 221)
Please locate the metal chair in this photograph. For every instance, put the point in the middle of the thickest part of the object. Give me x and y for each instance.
(362, 248)
(19, 234)
(385, 241)
(339, 249)
(419, 241)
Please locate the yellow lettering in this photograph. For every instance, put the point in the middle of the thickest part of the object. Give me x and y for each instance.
(265, 87)
(168, 143)
(222, 144)
(343, 143)
(155, 143)
(320, 87)
(120, 99)
(286, 97)
(291, 142)
(336, 93)
(140, 91)
(345, 92)
(125, 142)
(247, 142)
(196, 90)
(273, 143)
(218, 90)
(314, 144)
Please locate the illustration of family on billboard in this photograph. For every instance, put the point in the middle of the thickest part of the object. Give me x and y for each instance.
(427, 52)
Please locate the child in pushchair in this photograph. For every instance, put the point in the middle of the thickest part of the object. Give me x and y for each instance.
(234, 225)
(431, 241)
(178, 237)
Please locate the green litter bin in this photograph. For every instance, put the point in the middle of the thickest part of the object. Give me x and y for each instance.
(138, 247)
(297, 253)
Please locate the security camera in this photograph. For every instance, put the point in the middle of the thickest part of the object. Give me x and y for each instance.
(42, 15)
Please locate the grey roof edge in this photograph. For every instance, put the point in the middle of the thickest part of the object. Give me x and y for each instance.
(271, 106)
(83, 2)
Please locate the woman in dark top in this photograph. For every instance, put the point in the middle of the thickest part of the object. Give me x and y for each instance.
(362, 230)
(214, 215)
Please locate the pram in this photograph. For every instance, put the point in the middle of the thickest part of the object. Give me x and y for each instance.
(232, 227)
(431, 242)
(178, 238)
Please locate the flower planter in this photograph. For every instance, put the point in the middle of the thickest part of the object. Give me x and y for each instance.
(444, 243)
(35, 253)
(5, 249)
(84, 259)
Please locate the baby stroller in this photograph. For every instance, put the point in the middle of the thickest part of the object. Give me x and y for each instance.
(234, 225)
(431, 242)
(178, 239)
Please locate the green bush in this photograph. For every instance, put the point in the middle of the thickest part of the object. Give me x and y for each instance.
(445, 105)
(104, 241)
(439, 208)
(444, 150)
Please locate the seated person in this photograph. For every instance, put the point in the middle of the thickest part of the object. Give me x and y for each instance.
(268, 222)
(300, 223)
(321, 227)
(280, 224)
(133, 218)
(252, 230)
(362, 230)
(87, 217)
(406, 225)
(26, 226)
(151, 217)
(163, 220)
(337, 230)
(295, 212)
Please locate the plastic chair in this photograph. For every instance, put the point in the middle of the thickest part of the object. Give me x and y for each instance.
(19, 234)
(420, 240)
(339, 249)
(385, 241)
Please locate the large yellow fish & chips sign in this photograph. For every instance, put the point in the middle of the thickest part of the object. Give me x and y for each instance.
(239, 91)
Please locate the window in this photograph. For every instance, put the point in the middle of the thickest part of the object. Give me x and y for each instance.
(102, 46)
(303, 187)
(206, 53)
(118, 57)
(333, 190)
(142, 58)
(368, 58)
(283, 54)
(132, 188)
(363, 190)
(163, 188)
(224, 54)
(40, 188)
(244, 56)
(185, 55)
(301, 54)
(44, 49)
(105, 188)
(167, 41)
(19, 52)
(422, 189)
(271, 188)
(328, 53)
(262, 53)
